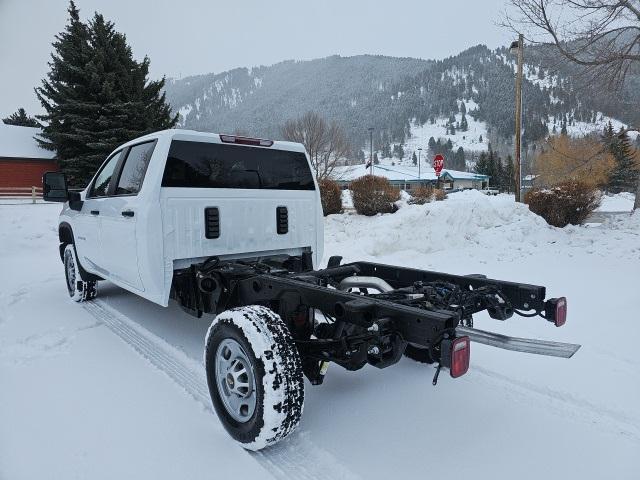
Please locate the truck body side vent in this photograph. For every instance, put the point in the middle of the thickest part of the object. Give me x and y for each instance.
(211, 222)
(282, 220)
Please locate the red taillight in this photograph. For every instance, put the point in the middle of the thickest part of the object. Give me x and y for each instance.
(460, 353)
(555, 310)
(560, 317)
(257, 142)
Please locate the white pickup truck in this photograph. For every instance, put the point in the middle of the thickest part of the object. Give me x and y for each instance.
(231, 228)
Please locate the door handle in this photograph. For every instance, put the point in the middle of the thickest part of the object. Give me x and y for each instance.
(95, 212)
(127, 213)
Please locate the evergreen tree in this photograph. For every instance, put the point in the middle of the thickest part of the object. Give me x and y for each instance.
(499, 173)
(482, 164)
(96, 96)
(21, 119)
(432, 145)
(464, 125)
(458, 160)
(492, 169)
(563, 130)
(509, 174)
(463, 109)
(608, 134)
(624, 176)
(386, 150)
(375, 158)
(480, 139)
(452, 129)
(414, 158)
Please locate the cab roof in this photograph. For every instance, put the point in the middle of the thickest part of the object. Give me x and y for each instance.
(196, 136)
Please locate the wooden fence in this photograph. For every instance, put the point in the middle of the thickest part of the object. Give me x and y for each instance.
(19, 193)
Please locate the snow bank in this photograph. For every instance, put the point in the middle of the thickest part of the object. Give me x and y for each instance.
(466, 220)
(621, 202)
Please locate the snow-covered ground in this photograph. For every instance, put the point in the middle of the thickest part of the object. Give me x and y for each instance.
(621, 202)
(77, 401)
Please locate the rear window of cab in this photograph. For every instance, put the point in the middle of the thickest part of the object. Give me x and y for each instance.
(213, 165)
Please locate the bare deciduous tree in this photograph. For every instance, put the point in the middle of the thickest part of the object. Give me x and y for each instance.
(603, 36)
(325, 143)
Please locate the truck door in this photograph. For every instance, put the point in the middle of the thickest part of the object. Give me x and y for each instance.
(87, 222)
(120, 216)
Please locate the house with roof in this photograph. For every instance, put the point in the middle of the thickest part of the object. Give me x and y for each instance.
(22, 160)
(408, 177)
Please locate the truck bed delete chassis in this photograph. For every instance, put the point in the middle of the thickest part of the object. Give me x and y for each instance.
(363, 312)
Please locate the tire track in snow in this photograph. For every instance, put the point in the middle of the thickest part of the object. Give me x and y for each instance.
(295, 457)
(583, 410)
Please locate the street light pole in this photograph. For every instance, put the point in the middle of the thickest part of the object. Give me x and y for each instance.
(419, 151)
(518, 49)
(371, 145)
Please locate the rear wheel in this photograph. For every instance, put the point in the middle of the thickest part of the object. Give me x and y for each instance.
(254, 373)
(419, 354)
(79, 290)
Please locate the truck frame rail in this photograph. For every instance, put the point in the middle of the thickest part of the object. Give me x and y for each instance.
(367, 313)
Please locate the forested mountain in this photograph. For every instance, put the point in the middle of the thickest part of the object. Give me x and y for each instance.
(257, 101)
(397, 96)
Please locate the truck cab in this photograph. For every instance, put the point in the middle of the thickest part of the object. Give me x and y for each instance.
(177, 197)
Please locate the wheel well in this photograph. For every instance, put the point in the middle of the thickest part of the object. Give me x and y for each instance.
(65, 234)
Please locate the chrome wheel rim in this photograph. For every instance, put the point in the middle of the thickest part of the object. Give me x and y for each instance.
(235, 380)
(71, 273)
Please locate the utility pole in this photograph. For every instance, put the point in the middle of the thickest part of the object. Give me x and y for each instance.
(517, 48)
(371, 144)
(419, 151)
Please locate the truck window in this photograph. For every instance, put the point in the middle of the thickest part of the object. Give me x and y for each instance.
(100, 186)
(214, 165)
(134, 169)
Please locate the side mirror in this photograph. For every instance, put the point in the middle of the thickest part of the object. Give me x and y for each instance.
(54, 187)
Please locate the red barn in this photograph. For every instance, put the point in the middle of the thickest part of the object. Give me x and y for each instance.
(22, 161)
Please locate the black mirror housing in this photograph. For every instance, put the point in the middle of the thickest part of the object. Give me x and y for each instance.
(54, 187)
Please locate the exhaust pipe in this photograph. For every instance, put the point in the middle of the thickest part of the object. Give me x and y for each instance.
(526, 345)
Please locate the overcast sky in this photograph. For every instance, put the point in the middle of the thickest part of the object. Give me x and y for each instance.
(186, 37)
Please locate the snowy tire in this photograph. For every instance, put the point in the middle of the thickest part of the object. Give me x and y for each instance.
(79, 289)
(419, 354)
(254, 373)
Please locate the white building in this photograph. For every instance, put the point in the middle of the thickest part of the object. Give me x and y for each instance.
(408, 177)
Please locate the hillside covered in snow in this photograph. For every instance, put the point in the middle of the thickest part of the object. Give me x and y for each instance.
(406, 100)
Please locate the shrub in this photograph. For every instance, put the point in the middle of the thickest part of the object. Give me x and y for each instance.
(372, 195)
(439, 194)
(331, 196)
(569, 202)
(421, 195)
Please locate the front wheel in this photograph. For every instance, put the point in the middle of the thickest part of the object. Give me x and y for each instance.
(79, 290)
(254, 373)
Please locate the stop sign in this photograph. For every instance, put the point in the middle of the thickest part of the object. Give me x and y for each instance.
(438, 163)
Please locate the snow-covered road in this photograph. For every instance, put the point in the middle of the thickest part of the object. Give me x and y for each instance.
(77, 401)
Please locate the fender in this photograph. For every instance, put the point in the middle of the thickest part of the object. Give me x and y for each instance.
(65, 234)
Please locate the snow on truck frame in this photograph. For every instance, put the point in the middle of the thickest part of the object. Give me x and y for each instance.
(231, 228)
